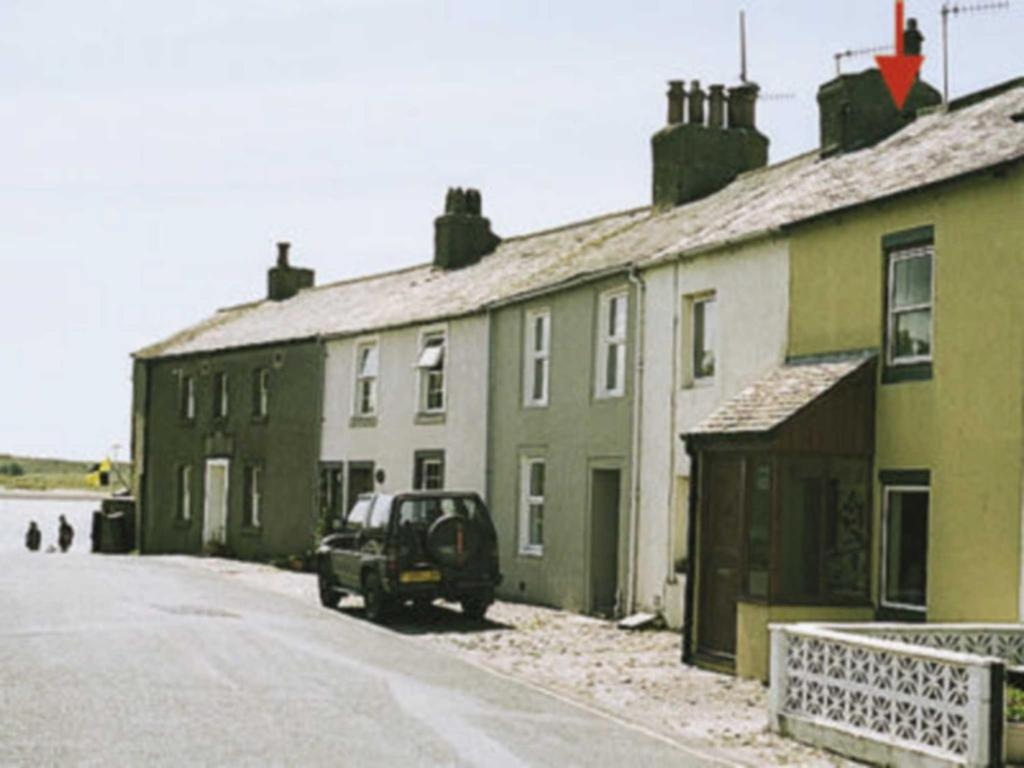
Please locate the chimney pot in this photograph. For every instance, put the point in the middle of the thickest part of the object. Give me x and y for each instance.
(696, 99)
(743, 105)
(716, 106)
(913, 40)
(676, 100)
(282, 254)
(284, 280)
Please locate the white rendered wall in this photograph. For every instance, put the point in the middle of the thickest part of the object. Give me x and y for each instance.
(751, 286)
(395, 437)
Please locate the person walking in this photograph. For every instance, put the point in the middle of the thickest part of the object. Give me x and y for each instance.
(65, 535)
(33, 537)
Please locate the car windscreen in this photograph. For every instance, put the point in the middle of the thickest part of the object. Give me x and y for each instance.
(381, 511)
(426, 510)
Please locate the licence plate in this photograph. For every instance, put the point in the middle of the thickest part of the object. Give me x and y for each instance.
(419, 577)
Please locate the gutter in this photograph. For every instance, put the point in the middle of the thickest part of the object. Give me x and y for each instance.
(637, 445)
(691, 545)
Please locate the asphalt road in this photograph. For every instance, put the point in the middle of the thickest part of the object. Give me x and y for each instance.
(146, 661)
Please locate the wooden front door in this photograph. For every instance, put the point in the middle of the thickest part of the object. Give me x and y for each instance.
(721, 530)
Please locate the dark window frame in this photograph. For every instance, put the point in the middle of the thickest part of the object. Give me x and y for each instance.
(221, 395)
(419, 459)
(892, 245)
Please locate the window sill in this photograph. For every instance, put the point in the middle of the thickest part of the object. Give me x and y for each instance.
(184, 421)
(260, 420)
(609, 395)
(703, 383)
(538, 406)
(362, 422)
(887, 613)
(182, 523)
(532, 554)
(425, 418)
(252, 531)
(895, 374)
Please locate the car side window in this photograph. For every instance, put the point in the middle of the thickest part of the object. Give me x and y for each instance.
(358, 517)
(381, 513)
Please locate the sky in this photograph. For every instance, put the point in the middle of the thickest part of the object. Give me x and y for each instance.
(152, 153)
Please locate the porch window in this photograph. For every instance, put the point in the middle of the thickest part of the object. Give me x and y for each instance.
(611, 344)
(703, 325)
(367, 366)
(537, 353)
(531, 514)
(905, 547)
(431, 364)
(823, 531)
(909, 325)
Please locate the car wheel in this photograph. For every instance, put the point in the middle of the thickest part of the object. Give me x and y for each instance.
(374, 600)
(329, 597)
(475, 607)
(421, 606)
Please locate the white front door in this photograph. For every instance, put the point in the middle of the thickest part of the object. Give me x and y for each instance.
(215, 516)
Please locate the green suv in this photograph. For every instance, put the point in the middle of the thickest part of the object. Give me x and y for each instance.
(412, 548)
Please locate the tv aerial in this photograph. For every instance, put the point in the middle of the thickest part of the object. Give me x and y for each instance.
(743, 64)
(955, 10)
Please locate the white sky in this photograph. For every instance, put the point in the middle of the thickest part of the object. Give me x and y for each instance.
(152, 153)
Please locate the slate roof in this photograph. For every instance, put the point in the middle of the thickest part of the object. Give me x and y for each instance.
(778, 396)
(976, 134)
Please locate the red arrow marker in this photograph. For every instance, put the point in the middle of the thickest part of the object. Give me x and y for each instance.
(899, 71)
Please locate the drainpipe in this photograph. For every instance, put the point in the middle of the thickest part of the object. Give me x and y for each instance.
(691, 552)
(638, 401)
(321, 345)
(674, 405)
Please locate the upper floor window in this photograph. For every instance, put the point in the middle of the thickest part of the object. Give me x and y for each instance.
(911, 294)
(220, 395)
(702, 321)
(260, 392)
(611, 344)
(367, 365)
(187, 403)
(431, 365)
(537, 355)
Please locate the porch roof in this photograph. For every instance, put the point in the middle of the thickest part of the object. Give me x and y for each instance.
(780, 395)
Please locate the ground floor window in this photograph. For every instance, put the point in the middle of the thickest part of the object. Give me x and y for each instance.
(905, 547)
(184, 494)
(253, 495)
(531, 514)
(428, 472)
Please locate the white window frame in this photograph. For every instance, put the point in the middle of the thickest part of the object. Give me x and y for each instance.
(424, 373)
(184, 480)
(263, 392)
(222, 395)
(709, 297)
(887, 492)
(189, 383)
(526, 547)
(532, 357)
(438, 464)
(361, 378)
(895, 256)
(609, 342)
(255, 494)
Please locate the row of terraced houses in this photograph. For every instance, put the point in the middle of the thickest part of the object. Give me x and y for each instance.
(779, 392)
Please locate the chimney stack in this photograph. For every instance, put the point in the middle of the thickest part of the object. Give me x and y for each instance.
(697, 157)
(283, 280)
(857, 111)
(462, 236)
